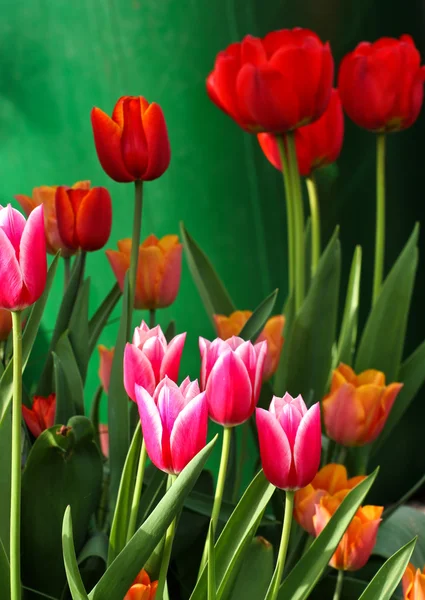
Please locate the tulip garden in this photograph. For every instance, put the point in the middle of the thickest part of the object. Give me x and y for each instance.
(295, 401)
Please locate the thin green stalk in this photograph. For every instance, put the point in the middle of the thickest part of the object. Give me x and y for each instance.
(244, 431)
(137, 492)
(152, 315)
(315, 221)
(15, 499)
(298, 220)
(380, 216)
(338, 587)
(67, 271)
(166, 555)
(212, 584)
(273, 590)
(289, 211)
(135, 242)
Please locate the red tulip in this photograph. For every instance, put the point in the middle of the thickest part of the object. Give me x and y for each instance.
(23, 263)
(41, 415)
(274, 84)
(317, 145)
(381, 84)
(134, 143)
(84, 217)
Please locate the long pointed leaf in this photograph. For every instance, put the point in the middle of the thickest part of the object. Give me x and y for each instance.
(258, 319)
(71, 566)
(347, 338)
(256, 572)
(101, 316)
(78, 330)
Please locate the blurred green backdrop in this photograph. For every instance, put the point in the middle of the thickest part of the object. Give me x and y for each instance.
(58, 59)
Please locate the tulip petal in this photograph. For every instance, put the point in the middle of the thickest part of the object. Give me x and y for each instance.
(32, 421)
(171, 362)
(120, 264)
(170, 278)
(343, 415)
(107, 139)
(65, 215)
(149, 268)
(268, 145)
(362, 545)
(134, 149)
(137, 370)
(159, 152)
(32, 255)
(94, 219)
(308, 446)
(151, 427)
(27, 203)
(10, 274)
(155, 352)
(190, 389)
(13, 224)
(275, 452)
(189, 433)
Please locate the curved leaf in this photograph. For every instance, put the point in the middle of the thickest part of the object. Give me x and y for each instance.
(404, 524)
(348, 335)
(73, 576)
(258, 319)
(256, 572)
(78, 330)
(101, 316)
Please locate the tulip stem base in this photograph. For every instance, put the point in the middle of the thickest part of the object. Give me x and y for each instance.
(339, 583)
(135, 242)
(137, 492)
(166, 555)
(15, 500)
(380, 216)
(289, 211)
(273, 590)
(315, 221)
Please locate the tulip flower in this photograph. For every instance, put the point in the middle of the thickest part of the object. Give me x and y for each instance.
(143, 588)
(133, 144)
(413, 583)
(45, 195)
(381, 84)
(231, 374)
(105, 366)
(228, 327)
(330, 480)
(84, 217)
(23, 265)
(104, 439)
(41, 415)
(359, 539)
(317, 145)
(357, 407)
(174, 423)
(5, 324)
(149, 358)
(274, 84)
(290, 441)
(158, 270)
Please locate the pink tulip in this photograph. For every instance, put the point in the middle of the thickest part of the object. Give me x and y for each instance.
(290, 442)
(23, 264)
(149, 358)
(174, 423)
(231, 374)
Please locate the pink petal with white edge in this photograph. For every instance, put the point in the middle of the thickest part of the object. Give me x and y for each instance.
(210, 351)
(160, 385)
(308, 446)
(189, 434)
(10, 274)
(137, 370)
(151, 428)
(235, 341)
(13, 223)
(155, 352)
(32, 254)
(247, 354)
(144, 333)
(261, 351)
(290, 419)
(190, 389)
(170, 404)
(171, 362)
(275, 452)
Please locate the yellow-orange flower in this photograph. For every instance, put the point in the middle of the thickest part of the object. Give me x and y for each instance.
(330, 480)
(358, 541)
(357, 406)
(45, 195)
(227, 327)
(413, 583)
(143, 588)
(158, 269)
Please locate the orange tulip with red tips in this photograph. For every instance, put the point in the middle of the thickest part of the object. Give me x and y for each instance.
(330, 480)
(42, 414)
(158, 270)
(413, 583)
(84, 217)
(134, 143)
(357, 407)
(143, 588)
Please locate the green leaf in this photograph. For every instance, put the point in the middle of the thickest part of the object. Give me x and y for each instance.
(351, 590)
(78, 330)
(389, 575)
(28, 339)
(65, 408)
(151, 494)
(306, 573)
(212, 585)
(404, 524)
(73, 576)
(256, 572)
(4, 572)
(94, 413)
(202, 504)
(381, 345)
(116, 581)
(307, 358)
(348, 334)
(170, 332)
(258, 319)
(72, 375)
(5, 479)
(101, 316)
(213, 294)
(393, 507)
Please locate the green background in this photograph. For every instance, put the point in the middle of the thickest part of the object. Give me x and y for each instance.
(61, 58)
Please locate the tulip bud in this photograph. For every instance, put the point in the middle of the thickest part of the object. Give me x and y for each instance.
(105, 366)
(413, 583)
(290, 441)
(142, 588)
(41, 415)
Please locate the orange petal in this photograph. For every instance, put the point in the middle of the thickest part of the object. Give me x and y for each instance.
(331, 478)
(105, 366)
(27, 203)
(107, 139)
(169, 283)
(124, 246)
(168, 242)
(344, 415)
(94, 219)
(138, 592)
(81, 185)
(159, 152)
(371, 376)
(120, 264)
(66, 218)
(151, 240)
(149, 270)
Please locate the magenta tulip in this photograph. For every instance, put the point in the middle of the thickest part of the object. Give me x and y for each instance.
(149, 358)
(290, 442)
(231, 374)
(174, 423)
(23, 264)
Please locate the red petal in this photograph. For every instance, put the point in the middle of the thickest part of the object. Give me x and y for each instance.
(94, 219)
(134, 147)
(107, 139)
(159, 152)
(65, 215)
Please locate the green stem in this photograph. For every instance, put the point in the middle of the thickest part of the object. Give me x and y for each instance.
(380, 216)
(15, 504)
(166, 555)
(67, 271)
(298, 209)
(315, 221)
(273, 590)
(137, 492)
(152, 318)
(289, 211)
(135, 242)
(244, 431)
(338, 587)
(212, 585)
(342, 455)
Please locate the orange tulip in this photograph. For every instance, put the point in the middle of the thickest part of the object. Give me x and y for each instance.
(158, 270)
(45, 195)
(330, 480)
(227, 327)
(105, 366)
(359, 539)
(357, 407)
(104, 439)
(143, 588)
(42, 414)
(413, 583)
(5, 324)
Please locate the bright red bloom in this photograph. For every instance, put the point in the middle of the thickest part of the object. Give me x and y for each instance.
(84, 217)
(317, 145)
(133, 144)
(381, 84)
(274, 84)
(42, 414)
